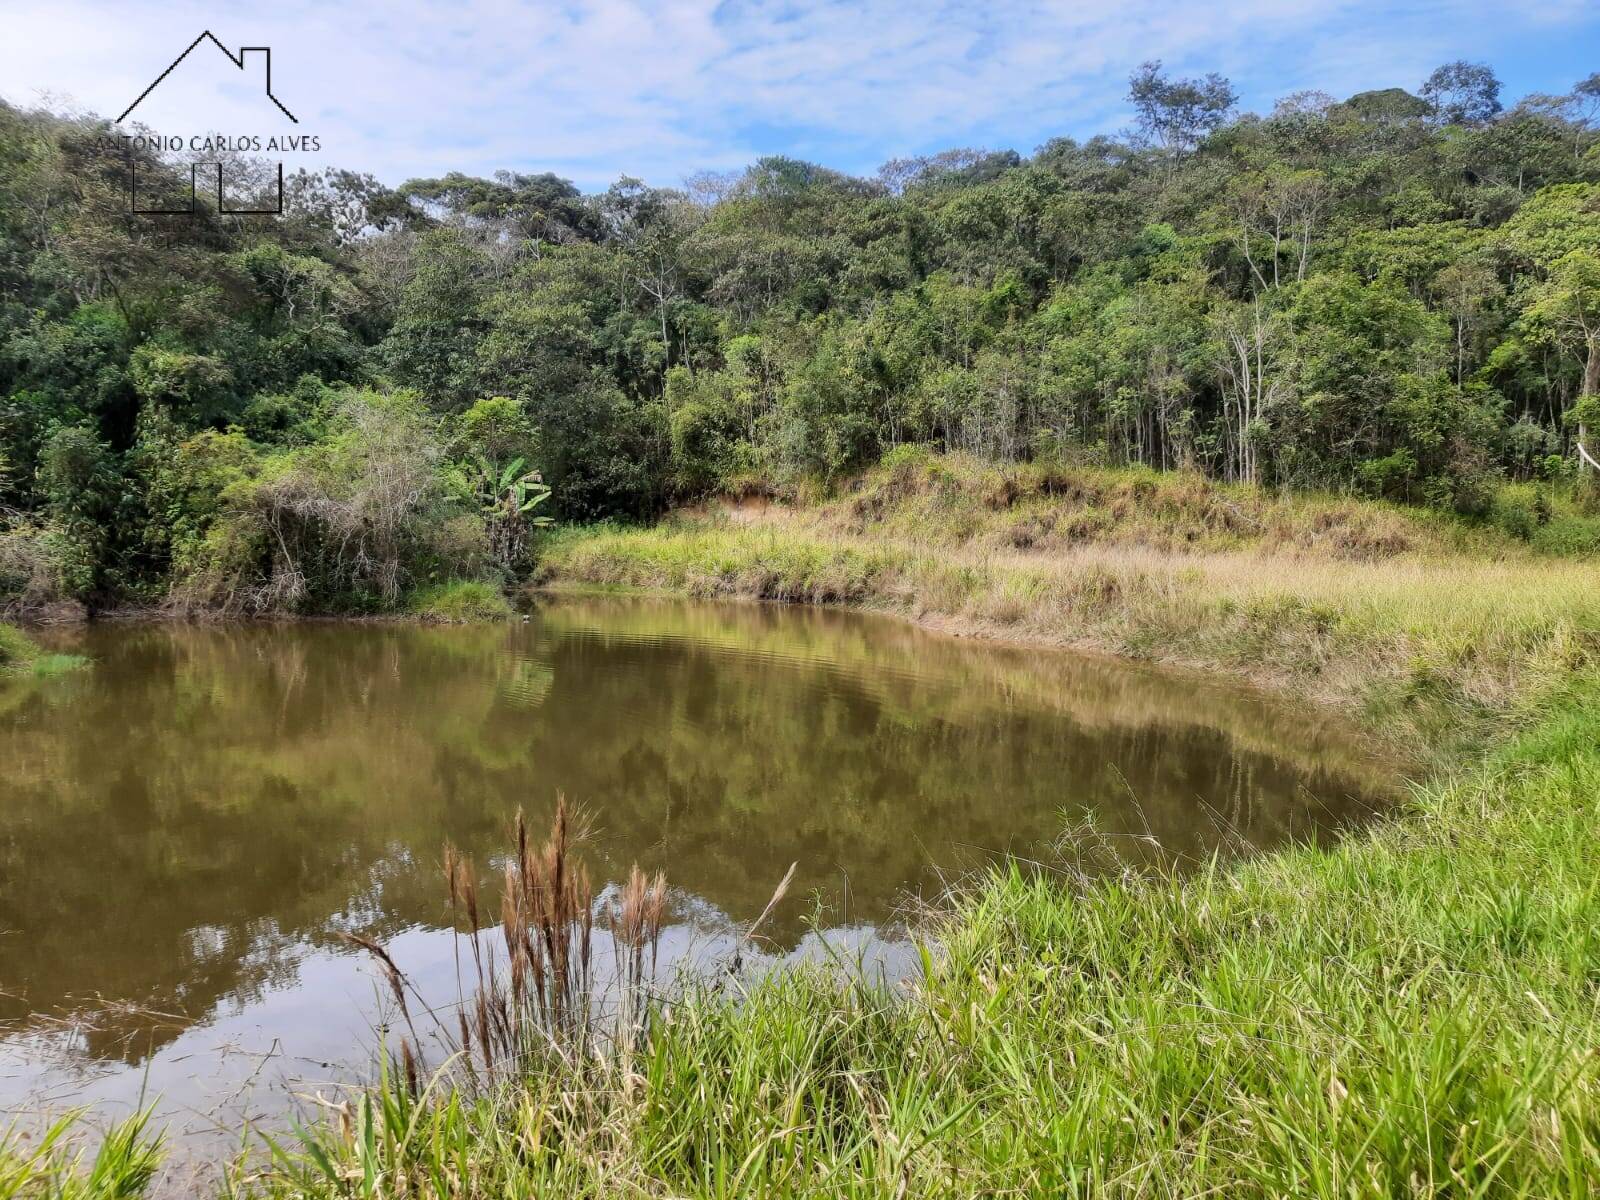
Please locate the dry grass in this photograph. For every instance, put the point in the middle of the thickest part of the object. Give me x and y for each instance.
(541, 1000)
(1432, 631)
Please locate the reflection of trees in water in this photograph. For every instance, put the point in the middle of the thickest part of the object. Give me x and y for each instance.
(216, 780)
(207, 800)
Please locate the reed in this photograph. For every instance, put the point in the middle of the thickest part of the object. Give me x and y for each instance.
(636, 928)
(528, 990)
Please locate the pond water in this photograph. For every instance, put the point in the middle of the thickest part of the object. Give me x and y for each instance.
(186, 826)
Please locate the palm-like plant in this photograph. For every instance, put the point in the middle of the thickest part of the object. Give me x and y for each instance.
(514, 490)
(507, 496)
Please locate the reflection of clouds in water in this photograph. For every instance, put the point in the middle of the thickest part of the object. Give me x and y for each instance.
(267, 1056)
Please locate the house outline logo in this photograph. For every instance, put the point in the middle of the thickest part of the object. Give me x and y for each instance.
(238, 60)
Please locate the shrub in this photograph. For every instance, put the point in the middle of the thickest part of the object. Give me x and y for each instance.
(32, 568)
(1569, 535)
(16, 648)
(183, 481)
(80, 480)
(497, 429)
(344, 525)
(908, 458)
(1520, 510)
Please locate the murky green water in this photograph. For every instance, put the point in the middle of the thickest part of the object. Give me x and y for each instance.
(184, 828)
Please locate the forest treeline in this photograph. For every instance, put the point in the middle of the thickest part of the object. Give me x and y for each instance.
(1396, 294)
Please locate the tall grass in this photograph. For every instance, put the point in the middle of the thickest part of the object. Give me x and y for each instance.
(51, 1165)
(540, 998)
(459, 601)
(533, 1008)
(1431, 629)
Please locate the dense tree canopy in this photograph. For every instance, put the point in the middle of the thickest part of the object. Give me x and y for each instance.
(1395, 293)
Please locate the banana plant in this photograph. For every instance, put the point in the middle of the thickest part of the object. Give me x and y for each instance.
(512, 490)
(506, 491)
(507, 497)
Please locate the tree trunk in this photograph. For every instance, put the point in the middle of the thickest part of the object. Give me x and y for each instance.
(1591, 387)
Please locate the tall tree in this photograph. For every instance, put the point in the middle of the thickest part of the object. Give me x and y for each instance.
(1176, 114)
(1463, 93)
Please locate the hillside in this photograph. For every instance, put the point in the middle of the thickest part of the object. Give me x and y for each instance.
(1392, 295)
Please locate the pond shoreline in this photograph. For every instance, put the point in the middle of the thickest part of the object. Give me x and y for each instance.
(1426, 656)
(1400, 752)
(1384, 1010)
(1412, 1002)
(1312, 1013)
(1270, 688)
(765, 738)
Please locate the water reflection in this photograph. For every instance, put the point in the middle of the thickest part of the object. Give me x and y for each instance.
(184, 828)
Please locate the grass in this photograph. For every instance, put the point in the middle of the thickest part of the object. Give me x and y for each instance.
(20, 655)
(51, 1167)
(459, 602)
(1427, 628)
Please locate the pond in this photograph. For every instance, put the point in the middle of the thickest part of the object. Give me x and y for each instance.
(186, 827)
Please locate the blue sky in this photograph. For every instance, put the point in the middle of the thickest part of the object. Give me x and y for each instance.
(593, 89)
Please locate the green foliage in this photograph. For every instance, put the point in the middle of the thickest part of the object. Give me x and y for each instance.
(348, 523)
(459, 601)
(1396, 294)
(183, 480)
(296, 417)
(80, 483)
(498, 429)
(506, 496)
(48, 1167)
(194, 386)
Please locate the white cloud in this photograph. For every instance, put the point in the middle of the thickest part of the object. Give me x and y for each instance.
(595, 88)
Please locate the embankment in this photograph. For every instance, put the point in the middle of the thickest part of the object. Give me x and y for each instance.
(1434, 633)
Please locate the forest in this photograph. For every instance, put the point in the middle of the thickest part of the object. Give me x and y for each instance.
(1394, 295)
